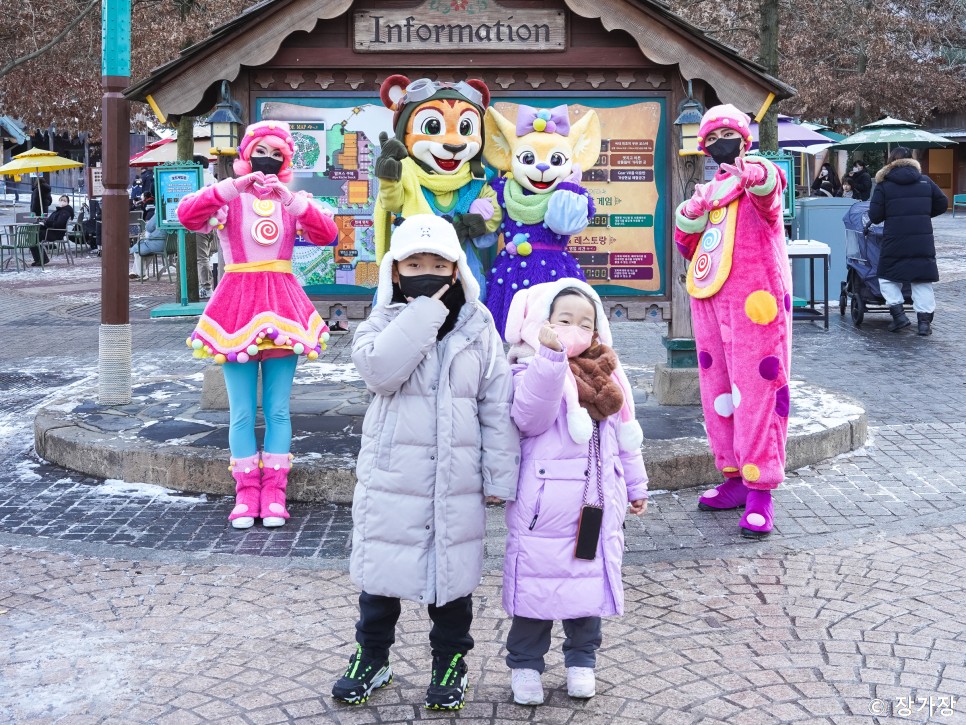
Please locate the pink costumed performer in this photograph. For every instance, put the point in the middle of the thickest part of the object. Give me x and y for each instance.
(259, 317)
(732, 232)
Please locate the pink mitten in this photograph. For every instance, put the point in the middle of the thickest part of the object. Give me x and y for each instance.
(749, 174)
(576, 175)
(699, 204)
(483, 207)
(246, 182)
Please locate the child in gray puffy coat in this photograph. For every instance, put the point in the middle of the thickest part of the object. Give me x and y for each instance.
(436, 440)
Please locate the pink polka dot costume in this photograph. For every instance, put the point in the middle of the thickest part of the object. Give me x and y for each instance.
(732, 232)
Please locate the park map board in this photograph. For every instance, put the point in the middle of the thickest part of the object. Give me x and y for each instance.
(622, 252)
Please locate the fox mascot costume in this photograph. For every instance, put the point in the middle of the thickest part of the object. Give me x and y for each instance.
(434, 165)
(540, 197)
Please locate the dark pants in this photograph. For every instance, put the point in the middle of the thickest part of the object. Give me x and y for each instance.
(450, 635)
(35, 253)
(529, 640)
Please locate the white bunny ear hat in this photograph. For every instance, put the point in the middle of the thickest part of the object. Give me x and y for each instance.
(529, 309)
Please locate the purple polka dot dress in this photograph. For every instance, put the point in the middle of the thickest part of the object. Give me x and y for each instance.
(548, 259)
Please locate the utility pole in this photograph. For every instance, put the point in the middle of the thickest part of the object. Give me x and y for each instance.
(768, 57)
(114, 338)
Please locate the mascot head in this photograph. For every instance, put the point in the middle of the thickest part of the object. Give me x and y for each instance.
(441, 124)
(543, 148)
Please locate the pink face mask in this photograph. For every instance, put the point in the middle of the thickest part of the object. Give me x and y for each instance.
(574, 339)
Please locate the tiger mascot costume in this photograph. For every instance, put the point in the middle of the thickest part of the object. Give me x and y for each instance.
(434, 164)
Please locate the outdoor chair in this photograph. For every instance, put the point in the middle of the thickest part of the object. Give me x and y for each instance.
(16, 241)
(160, 261)
(60, 245)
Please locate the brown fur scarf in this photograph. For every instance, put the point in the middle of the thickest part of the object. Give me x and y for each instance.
(597, 391)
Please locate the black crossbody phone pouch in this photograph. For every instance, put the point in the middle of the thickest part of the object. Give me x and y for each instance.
(591, 515)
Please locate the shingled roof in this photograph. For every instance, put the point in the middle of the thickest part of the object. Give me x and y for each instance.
(188, 84)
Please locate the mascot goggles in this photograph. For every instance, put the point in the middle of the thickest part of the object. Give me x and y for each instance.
(423, 89)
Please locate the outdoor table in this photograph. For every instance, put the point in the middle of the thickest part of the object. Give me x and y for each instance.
(811, 250)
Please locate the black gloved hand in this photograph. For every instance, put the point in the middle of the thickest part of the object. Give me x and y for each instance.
(469, 226)
(388, 163)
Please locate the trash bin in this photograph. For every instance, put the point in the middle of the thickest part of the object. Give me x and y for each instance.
(820, 218)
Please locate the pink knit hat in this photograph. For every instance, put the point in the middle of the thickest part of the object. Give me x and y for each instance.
(726, 116)
(282, 140)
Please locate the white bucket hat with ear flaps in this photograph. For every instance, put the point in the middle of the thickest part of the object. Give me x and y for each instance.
(425, 234)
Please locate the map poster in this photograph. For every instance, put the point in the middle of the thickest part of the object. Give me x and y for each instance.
(336, 139)
(309, 141)
(623, 250)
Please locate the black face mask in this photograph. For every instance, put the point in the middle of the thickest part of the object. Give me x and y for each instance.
(423, 285)
(725, 150)
(266, 164)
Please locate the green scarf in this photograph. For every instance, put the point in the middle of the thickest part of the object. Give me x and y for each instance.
(526, 208)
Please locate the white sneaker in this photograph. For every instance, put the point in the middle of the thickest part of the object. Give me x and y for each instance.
(581, 682)
(527, 687)
(204, 293)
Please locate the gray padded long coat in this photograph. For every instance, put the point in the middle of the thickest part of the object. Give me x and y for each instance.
(436, 438)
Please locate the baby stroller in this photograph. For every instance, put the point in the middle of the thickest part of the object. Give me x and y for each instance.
(863, 243)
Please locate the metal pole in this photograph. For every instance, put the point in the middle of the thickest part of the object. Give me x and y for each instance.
(114, 349)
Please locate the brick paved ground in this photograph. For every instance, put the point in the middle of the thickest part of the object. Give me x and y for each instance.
(141, 607)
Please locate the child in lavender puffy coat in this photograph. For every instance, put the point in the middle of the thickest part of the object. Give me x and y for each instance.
(580, 447)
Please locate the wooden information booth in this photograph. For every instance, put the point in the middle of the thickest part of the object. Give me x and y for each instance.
(318, 64)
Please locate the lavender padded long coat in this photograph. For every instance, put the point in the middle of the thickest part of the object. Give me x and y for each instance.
(541, 577)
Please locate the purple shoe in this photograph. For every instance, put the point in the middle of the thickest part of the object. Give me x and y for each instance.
(729, 495)
(759, 515)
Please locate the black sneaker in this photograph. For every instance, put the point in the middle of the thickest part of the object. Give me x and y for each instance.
(447, 689)
(361, 677)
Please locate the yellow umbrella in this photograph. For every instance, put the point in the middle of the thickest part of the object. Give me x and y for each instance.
(37, 161)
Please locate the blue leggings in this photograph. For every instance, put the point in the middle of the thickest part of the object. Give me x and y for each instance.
(241, 379)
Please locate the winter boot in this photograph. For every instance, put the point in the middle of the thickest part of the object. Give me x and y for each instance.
(729, 495)
(899, 319)
(759, 514)
(275, 468)
(248, 486)
(925, 320)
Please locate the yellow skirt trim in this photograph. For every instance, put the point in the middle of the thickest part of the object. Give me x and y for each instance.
(246, 334)
(274, 265)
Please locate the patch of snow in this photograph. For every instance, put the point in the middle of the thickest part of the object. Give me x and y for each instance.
(815, 409)
(116, 487)
(323, 372)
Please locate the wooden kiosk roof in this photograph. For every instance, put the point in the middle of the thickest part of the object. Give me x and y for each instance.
(188, 84)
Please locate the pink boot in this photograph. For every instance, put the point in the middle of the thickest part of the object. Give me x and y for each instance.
(248, 486)
(274, 480)
(729, 495)
(759, 515)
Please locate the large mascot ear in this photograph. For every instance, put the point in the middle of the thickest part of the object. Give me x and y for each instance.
(499, 135)
(392, 89)
(585, 140)
(481, 87)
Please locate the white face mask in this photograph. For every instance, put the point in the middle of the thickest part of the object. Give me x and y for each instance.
(61, 203)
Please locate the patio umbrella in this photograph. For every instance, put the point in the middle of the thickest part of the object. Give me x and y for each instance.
(891, 132)
(37, 161)
(793, 135)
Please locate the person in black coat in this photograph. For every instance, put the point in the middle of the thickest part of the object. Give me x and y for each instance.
(826, 174)
(53, 228)
(40, 198)
(861, 181)
(906, 200)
